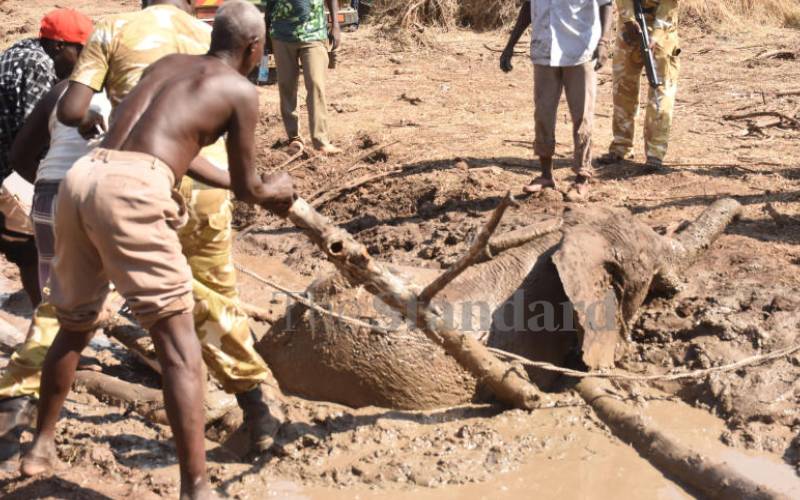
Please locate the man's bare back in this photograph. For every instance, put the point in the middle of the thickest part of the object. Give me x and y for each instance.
(182, 104)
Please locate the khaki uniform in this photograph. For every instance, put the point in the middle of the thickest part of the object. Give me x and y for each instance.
(628, 65)
(120, 48)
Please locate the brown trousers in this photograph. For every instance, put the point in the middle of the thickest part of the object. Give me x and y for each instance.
(314, 59)
(580, 86)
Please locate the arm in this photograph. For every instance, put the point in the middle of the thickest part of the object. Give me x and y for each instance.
(87, 78)
(601, 53)
(204, 171)
(33, 138)
(335, 36)
(522, 24)
(274, 192)
(268, 6)
(73, 110)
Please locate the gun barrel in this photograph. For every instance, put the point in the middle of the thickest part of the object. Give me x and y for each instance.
(647, 52)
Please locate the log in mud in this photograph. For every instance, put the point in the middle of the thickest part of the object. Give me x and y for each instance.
(705, 473)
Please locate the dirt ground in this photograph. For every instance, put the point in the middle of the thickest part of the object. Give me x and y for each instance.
(458, 132)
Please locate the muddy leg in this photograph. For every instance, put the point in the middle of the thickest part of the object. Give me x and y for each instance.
(179, 355)
(57, 376)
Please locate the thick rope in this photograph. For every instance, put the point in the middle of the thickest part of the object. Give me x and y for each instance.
(694, 374)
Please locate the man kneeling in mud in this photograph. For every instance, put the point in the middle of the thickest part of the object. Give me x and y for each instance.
(116, 219)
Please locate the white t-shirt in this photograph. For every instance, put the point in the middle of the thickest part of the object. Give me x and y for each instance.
(565, 32)
(67, 145)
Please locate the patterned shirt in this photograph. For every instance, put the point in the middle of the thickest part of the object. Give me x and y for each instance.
(565, 32)
(296, 21)
(26, 75)
(122, 46)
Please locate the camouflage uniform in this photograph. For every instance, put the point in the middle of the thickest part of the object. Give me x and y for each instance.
(628, 64)
(221, 326)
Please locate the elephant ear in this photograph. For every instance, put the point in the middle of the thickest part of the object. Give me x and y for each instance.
(606, 263)
(583, 264)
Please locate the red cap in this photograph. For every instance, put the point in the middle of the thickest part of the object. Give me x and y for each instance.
(66, 25)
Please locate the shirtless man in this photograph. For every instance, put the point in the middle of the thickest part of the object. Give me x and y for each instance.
(117, 216)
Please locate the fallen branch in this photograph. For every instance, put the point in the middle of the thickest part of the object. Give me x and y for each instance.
(368, 154)
(145, 401)
(325, 195)
(136, 339)
(478, 248)
(793, 122)
(708, 474)
(492, 49)
(353, 261)
(779, 218)
(289, 160)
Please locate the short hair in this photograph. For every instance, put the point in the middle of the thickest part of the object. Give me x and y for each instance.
(237, 24)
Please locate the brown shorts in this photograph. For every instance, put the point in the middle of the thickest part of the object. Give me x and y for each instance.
(116, 217)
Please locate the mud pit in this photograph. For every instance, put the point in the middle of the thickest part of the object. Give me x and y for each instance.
(460, 149)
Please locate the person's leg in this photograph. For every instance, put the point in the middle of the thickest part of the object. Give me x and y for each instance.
(627, 69)
(286, 62)
(314, 56)
(57, 377)
(222, 327)
(661, 102)
(580, 89)
(179, 355)
(547, 85)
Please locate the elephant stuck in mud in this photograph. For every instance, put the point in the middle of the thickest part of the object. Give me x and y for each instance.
(562, 290)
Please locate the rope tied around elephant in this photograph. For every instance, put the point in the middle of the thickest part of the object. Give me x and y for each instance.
(694, 374)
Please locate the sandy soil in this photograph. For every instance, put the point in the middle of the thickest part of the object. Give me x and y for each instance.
(458, 131)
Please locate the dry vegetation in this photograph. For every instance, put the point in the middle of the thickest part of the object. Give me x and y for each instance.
(492, 14)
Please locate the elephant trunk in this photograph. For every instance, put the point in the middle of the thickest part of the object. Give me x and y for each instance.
(700, 234)
(685, 246)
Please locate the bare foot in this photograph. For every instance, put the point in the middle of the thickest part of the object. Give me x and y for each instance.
(40, 459)
(328, 149)
(539, 184)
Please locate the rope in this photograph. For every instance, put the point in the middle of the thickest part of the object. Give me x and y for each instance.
(309, 303)
(695, 374)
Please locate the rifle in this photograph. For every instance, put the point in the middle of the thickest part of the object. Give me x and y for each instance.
(647, 52)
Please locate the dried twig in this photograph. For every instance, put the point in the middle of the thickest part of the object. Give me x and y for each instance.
(478, 248)
(355, 263)
(492, 49)
(779, 218)
(369, 153)
(793, 122)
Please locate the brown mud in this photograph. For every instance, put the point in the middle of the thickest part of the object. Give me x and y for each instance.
(460, 148)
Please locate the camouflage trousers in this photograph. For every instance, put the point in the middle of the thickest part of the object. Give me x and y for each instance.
(221, 326)
(628, 65)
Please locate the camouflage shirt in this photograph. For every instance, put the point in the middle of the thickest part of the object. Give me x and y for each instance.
(297, 20)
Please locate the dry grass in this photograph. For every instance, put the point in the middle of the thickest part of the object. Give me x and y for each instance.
(782, 12)
(492, 14)
(477, 14)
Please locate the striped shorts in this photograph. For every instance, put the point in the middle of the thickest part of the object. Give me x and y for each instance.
(43, 216)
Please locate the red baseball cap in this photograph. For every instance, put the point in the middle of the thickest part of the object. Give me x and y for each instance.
(66, 25)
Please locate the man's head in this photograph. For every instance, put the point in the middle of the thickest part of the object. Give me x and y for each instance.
(184, 5)
(63, 33)
(239, 31)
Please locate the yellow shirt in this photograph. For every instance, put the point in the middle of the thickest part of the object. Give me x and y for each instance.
(122, 46)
